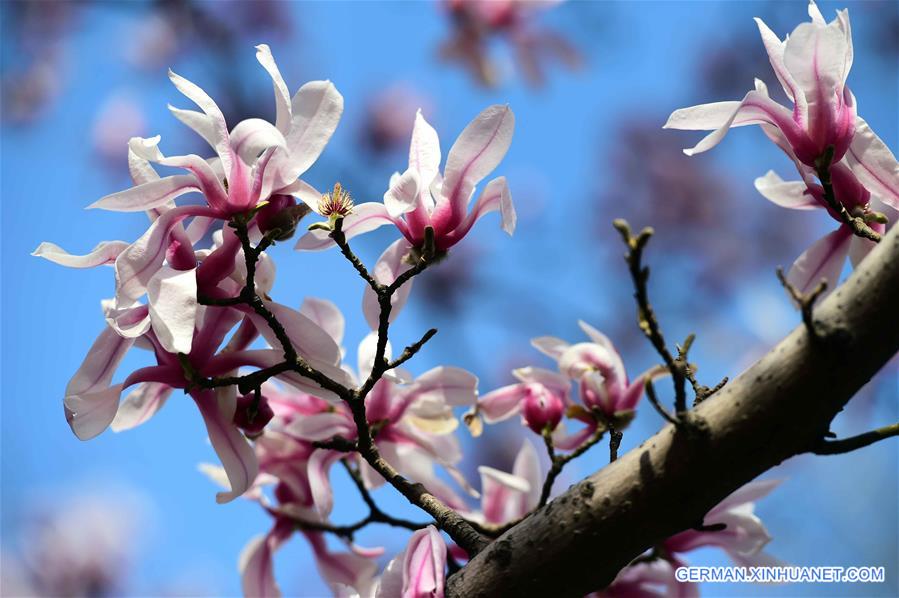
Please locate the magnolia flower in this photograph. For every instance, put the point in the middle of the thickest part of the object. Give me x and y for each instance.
(418, 571)
(822, 131)
(542, 396)
(413, 419)
(811, 65)
(420, 202)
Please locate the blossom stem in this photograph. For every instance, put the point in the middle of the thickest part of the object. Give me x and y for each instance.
(858, 225)
(558, 462)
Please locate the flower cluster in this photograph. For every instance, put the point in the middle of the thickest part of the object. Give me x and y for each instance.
(843, 165)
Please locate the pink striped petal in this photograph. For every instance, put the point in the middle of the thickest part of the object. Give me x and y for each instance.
(793, 195)
(527, 467)
(403, 195)
(216, 130)
(502, 403)
(823, 260)
(449, 385)
(424, 564)
(873, 164)
(365, 217)
(775, 48)
(148, 196)
(250, 137)
(495, 197)
(478, 150)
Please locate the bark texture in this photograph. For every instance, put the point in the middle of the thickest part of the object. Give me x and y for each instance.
(780, 407)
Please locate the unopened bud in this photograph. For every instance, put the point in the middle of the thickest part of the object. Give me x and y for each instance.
(542, 410)
(252, 414)
(279, 218)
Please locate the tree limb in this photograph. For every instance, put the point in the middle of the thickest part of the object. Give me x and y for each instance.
(780, 407)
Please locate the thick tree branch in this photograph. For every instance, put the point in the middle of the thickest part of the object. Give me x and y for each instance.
(780, 407)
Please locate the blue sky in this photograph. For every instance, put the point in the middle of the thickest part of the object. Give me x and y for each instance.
(641, 61)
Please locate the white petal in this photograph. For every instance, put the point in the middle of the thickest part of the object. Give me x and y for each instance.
(326, 315)
(873, 164)
(104, 253)
(172, 296)
(787, 194)
(140, 405)
(282, 96)
(452, 386)
(148, 195)
(823, 260)
(403, 194)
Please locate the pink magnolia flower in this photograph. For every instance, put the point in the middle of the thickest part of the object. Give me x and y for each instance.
(418, 571)
(413, 420)
(655, 579)
(811, 65)
(420, 198)
(542, 396)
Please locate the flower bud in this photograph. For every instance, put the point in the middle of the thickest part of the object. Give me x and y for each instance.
(541, 408)
(280, 216)
(252, 414)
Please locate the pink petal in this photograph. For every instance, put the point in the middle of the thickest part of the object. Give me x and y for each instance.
(99, 365)
(478, 150)
(527, 467)
(104, 253)
(342, 568)
(318, 471)
(387, 269)
(140, 405)
(137, 264)
(550, 346)
(90, 413)
(496, 196)
(256, 562)
(793, 195)
(326, 316)
(424, 564)
(502, 403)
(235, 453)
(775, 49)
(310, 340)
(316, 109)
(216, 130)
(554, 381)
(252, 136)
(823, 260)
(282, 95)
(403, 195)
(502, 494)
(452, 386)
(148, 196)
(874, 164)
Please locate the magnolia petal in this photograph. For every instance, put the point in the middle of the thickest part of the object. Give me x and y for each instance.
(424, 564)
(596, 336)
(367, 351)
(90, 413)
(326, 315)
(318, 471)
(554, 381)
(816, 56)
(424, 150)
(478, 150)
(232, 448)
(704, 117)
(104, 253)
(217, 132)
(282, 95)
(501, 495)
(342, 568)
(527, 467)
(172, 296)
(140, 405)
(141, 151)
(310, 340)
(450, 385)
(364, 218)
(319, 426)
(502, 403)
(252, 136)
(256, 561)
(137, 264)
(149, 195)
(388, 268)
(775, 48)
(823, 260)
(859, 248)
(550, 346)
(130, 322)
(403, 194)
(99, 365)
(787, 194)
(316, 109)
(873, 164)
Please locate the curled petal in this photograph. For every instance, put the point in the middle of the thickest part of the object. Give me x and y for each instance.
(403, 195)
(550, 346)
(318, 471)
(282, 96)
(90, 413)
(496, 196)
(172, 296)
(823, 260)
(315, 111)
(104, 253)
(775, 49)
(424, 564)
(216, 130)
(252, 136)
(787, 194)
(99, 366)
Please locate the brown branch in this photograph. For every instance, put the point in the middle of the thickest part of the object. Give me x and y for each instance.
(805, 302)
(558, 462)
(853, 443)
(781, 406)
(857, 224)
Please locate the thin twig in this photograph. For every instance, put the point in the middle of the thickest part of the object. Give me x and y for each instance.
(846, 445)
(804, 301)
(558, 462)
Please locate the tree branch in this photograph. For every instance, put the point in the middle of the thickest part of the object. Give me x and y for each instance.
(780, 407)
